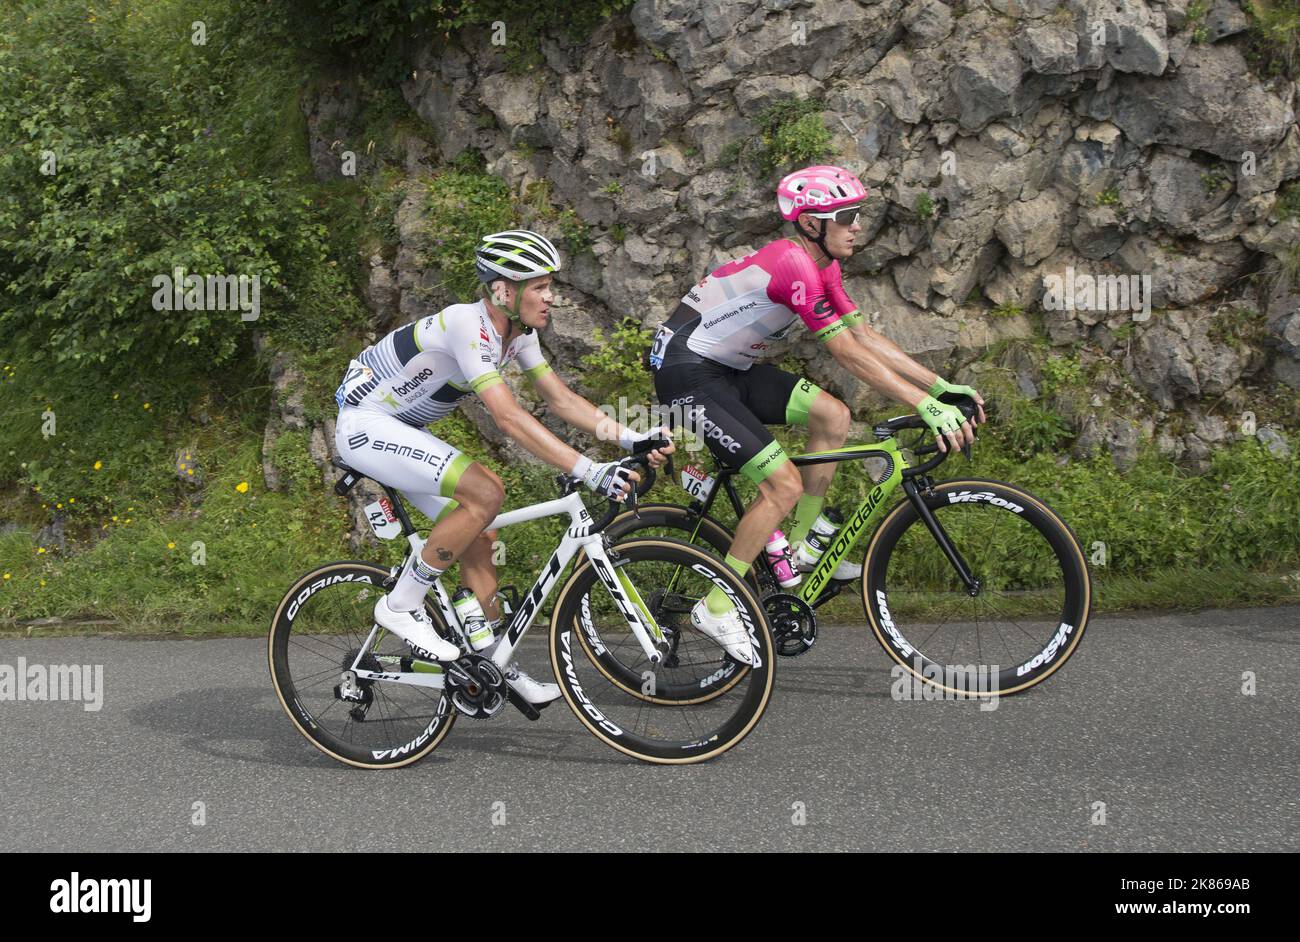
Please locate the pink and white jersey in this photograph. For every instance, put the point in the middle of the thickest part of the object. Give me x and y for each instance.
(737, 310)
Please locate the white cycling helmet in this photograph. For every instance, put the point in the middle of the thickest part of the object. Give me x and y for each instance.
(516, 255)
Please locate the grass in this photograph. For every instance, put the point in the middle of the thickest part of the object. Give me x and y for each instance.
(1275, 36)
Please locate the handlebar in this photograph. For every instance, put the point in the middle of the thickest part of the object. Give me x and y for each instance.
(640, 461)
(887, 429)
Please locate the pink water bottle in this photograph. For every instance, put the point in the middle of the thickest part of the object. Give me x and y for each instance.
(778, 556)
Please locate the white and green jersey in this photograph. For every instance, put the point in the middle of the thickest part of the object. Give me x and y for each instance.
(420, 371)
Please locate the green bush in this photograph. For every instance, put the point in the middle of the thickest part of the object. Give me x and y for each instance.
(150, 136)
(616, 368)
(1288, 202)
(1275, 35)
(462, 206)
(383, 33)
(790, 133)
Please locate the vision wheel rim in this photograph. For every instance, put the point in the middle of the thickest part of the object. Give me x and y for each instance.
(1033, 601)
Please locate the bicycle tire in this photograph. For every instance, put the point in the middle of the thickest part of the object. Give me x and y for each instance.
(565, 624)
(359, 572)
(1076, 587)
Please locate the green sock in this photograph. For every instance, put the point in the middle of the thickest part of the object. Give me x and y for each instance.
(805, 513)
(717, 601)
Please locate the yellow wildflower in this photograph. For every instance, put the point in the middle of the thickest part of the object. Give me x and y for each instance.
(98, 465)
(242, 487)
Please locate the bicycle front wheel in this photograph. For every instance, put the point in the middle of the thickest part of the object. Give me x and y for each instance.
(1032, 604)
(698, 702)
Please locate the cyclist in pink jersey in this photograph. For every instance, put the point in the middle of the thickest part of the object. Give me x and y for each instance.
(706, 369)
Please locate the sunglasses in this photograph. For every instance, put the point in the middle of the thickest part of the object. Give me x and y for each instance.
(845, 217)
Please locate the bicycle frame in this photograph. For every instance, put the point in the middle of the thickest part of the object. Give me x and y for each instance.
(817, 588)
(577, 538)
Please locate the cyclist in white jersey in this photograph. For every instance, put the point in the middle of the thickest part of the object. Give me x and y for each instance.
(415, 376)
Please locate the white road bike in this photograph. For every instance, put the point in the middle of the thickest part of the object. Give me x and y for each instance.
(355, 691)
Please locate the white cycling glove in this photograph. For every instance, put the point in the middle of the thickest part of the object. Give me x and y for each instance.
(628, 439)
(604, 479)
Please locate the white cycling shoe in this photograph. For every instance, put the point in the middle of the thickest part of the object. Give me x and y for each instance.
(417, 631)
(535, 692)
(806, 562)
(725, 629)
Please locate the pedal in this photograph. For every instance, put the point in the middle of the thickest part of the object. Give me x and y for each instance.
(522, 705)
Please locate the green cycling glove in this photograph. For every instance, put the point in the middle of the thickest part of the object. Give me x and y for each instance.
(940, 416)
(942, 386)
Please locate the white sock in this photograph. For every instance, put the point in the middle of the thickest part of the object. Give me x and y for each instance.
(415, 581)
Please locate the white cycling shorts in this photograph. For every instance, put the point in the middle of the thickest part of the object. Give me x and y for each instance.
(413, 460)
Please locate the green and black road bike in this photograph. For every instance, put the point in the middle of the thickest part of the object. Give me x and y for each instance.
(968, 584)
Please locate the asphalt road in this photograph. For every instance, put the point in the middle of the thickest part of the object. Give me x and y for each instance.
(1148, 717)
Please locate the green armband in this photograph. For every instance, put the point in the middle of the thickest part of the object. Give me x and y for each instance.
(831, 330)
(486, 381)
(534, 373)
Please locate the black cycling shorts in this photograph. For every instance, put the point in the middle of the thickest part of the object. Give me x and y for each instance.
(730, 410)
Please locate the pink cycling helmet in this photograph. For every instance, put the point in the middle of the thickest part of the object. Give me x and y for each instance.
(820, 189)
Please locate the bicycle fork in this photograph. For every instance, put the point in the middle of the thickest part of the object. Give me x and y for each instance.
(941, 537)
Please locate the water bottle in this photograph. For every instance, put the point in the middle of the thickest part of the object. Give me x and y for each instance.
(778, 557)
(820, 537)
(477, 630)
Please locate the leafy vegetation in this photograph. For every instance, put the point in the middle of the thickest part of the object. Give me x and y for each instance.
(1275, 35)
(129, 159)
(790, 132)
(616, 368)
(1288, 202)
(383, 33)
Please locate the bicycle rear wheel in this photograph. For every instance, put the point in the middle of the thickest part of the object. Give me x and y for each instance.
(695, 705)
(318, 631)
(1034, 596)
